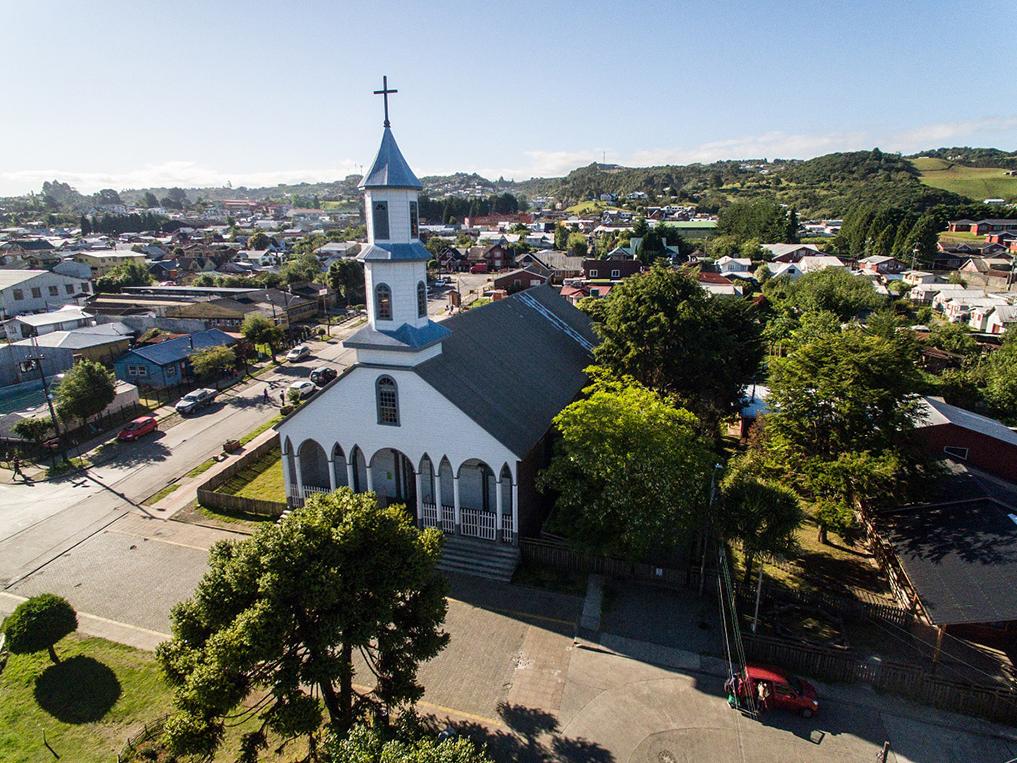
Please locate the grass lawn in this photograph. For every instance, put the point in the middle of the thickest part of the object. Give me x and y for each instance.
(976, 183)
(201, 468)
(156, 497)
(260, 428)
(87, 706)
(262, 480)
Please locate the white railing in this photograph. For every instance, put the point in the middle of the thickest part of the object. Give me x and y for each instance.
(310, 490)
(506, 528)
(448, 519)
(478, 523)
(428, 514)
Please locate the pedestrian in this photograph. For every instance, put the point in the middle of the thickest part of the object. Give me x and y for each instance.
(282, 398)
(763, 695)
(264, 394)
(16, 465)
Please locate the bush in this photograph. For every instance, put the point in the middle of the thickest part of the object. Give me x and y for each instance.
(39, 623)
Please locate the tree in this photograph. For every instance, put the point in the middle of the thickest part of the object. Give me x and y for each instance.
(843, 408)
(86, 226)
(630, 472)
(577, 245)
(213, 363)
(259, 240)
(561, 237)
(834, 290)
(346, 277)
(127, 274)
(304, 267)
(953, 337)
(762, 515)
(87, 388)
(366, 744)
(39, 623)
(151, 200)
(33, 429)
(257, 329)
(761, 219)
(1000, 373)
(282, 614)
(662, 329)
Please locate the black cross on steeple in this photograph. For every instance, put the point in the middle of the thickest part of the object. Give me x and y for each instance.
(385, 93)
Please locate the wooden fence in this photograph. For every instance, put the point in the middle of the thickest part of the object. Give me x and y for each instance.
(149, 731)
(209, 496)
(914, 682)
(557, 555)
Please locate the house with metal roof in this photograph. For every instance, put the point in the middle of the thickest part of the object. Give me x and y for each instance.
(166, 364)
(450, 419)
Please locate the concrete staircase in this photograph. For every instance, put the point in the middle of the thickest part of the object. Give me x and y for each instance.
(485, 559)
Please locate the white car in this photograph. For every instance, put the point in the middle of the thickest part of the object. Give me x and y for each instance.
(305, 388)
(299, 352)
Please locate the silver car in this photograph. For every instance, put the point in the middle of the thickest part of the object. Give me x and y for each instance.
(192, 401)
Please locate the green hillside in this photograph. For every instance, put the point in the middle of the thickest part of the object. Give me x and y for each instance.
(976, 183)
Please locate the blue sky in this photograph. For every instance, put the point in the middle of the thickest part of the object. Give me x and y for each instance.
(128, 94)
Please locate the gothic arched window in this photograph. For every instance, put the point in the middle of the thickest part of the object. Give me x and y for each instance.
(379, 217)
(421, 300)
(388, 401)
(383, 302)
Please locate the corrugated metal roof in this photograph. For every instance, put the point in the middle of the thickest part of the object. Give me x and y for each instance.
(412, 252)
(936, 411)
(177, 349)
(389, 169)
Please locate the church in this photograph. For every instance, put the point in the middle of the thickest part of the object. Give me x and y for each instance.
(450, 418)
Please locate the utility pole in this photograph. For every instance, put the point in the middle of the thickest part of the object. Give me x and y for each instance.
(35, 360)
(759, 590)
(706, 530)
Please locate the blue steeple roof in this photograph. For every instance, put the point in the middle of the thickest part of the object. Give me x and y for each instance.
(389, 169)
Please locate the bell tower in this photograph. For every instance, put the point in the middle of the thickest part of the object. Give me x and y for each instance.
(399, 331)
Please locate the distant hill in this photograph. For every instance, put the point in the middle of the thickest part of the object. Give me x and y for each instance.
(975, 181)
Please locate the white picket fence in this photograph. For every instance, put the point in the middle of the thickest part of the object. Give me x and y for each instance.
(478, 523)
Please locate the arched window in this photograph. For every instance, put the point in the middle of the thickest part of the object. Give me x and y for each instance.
(421, 299)
(383, 302)
(388, 401)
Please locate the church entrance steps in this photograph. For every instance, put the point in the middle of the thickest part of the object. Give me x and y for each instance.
(479, 558)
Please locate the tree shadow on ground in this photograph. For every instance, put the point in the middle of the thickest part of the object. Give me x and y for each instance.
(533, 735)
(78, 690)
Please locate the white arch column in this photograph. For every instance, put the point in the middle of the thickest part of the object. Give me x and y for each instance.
(287, 477)
(370, 474)
(331, 474)
(420, 497)
(497, 510)
(351, 466)
(455, 503)
(299, 477)
(437, 498)
(515, 513)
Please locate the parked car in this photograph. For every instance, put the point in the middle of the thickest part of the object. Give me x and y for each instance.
(480, 267)
(305, 387)
(138, 428)
(784, 690)
(299, 352)
(323, 375)
(195, 400)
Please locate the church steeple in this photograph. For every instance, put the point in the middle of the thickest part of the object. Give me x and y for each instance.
(395, 262)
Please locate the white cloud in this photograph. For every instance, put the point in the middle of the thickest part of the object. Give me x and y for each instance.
(934, 135)
(184, 174)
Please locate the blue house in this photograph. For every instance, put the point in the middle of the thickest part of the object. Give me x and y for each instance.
(165, 364)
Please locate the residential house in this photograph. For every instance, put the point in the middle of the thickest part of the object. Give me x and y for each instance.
(66, 318)
(916, 277)
(791, 252)
(945, 430)
(575, 289)
(730, 265)
(62, 349)
(103, 261)
(166, 364)
(34, 291)
(495, 256)
(789, 270)
(1001, 319)
(990, 267)
(718, 285)
(561, 265)
(818, 262)
(35, 253)
(881, 265)
(614, 270)
(517, 280)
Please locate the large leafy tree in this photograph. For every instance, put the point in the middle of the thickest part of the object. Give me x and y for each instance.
(87, 388)
(257, 329)
(301, 268)
(127, 274)
(834, 290)
(367, 744)
(281, 615)
(1000, 375)
(39, 623)
(631, 470)
(213, 363)
(670, 335)
(843, 406)
(761, 219)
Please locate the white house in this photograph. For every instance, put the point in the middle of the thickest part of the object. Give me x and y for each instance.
(916, 277)
(66, 318)
(734, 265)
(791, 252)
(450, 419)
(36, 291)
(786, 269)
(817, 262)
(1001, 319)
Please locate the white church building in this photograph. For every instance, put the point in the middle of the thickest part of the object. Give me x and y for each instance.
(450, 418)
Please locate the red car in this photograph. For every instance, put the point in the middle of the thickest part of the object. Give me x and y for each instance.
(137, 428)
(781, 689)
(480, 267)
